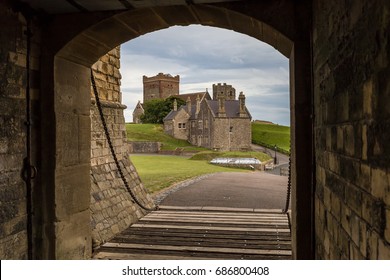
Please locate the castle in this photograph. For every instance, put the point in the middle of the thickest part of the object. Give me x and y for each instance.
(160, 86)
(222, 123)
(219, 123)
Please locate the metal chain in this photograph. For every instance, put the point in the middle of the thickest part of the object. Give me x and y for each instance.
(285, 210)
(98, 104)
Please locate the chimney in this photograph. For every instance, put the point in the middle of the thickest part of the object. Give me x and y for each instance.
(174, 105)
(189, 105)
(241, 99)
(197, 104)
(221, 105)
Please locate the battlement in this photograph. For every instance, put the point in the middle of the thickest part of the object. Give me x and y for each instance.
(161, 76)
(224, 90)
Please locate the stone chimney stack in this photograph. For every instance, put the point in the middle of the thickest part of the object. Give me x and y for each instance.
(241, 99)
(189, 105)
(197, 104)
(175, 105)
(221, 105)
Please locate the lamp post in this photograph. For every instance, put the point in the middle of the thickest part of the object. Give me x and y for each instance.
(275, 159)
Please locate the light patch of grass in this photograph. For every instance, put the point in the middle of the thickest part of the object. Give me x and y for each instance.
(155, 133)
(159, 172)
(269, 135)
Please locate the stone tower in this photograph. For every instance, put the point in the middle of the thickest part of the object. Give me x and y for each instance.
(160, 86)
(224, 90)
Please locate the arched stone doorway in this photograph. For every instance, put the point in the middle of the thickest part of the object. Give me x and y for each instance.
(83, 40)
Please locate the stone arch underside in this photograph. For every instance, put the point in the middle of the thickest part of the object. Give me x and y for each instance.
(72, 103)
(102, 37)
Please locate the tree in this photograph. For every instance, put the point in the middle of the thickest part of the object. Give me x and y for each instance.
(157, 109)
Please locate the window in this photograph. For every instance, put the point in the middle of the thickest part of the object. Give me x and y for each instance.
(200, 124)
(206, 124)
(182, 125)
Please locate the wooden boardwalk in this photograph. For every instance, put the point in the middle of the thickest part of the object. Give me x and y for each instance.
(215, 233)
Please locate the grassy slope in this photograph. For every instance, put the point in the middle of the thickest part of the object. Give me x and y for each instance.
(155, 132)
(158, 172)
(269, 134)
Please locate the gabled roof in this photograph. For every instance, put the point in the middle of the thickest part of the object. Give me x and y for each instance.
(232, 108)
(194, 95)
(172, 114)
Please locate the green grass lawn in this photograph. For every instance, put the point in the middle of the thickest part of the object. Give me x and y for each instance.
(155, 132)
(159, 172)
(270, 135)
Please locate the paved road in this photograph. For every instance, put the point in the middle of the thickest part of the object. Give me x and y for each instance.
(282, 159)
(238, 190)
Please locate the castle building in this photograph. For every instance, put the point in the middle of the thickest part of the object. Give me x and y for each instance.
(227, 91)
(138, 112)
(160, 86)
(221, 123)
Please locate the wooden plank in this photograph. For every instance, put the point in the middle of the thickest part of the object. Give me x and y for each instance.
(200, 255)
(192, 234)
(129, 256)
(215, 221)
(205, 232)
(206, 243)
(220, 214)
(254, 219)
(198, 249)
(219, 209)
(190, 239)
(275, 230)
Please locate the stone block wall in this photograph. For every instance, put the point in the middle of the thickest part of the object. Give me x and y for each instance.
(351, 42)
(13, 78)
(239, 139)
(144, 147)
(112, 208)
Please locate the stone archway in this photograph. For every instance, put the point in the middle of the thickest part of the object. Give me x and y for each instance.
(67, 62)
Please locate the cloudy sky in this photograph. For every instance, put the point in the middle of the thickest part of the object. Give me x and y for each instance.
(203, 56)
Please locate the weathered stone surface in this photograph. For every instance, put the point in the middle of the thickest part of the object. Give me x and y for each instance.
(13, 212)
(144, 147)
(111, 206)
(352, 89)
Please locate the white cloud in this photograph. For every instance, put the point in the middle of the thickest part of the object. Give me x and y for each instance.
(203, 56)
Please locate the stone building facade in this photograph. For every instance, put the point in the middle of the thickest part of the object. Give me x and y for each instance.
(222, 124)
(227, 91)
(138, 112)
(160, 86)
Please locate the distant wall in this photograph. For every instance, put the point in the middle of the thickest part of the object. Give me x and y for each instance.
(144, 147)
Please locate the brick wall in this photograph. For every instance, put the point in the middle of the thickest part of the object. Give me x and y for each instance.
(352, 129)
(112, 208)
(13, 57)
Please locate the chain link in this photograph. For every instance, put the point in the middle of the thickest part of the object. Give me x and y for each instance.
(106, 132)
(285, 210)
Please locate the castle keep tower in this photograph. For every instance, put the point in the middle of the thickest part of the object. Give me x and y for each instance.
(224, 90)
(160, 86)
